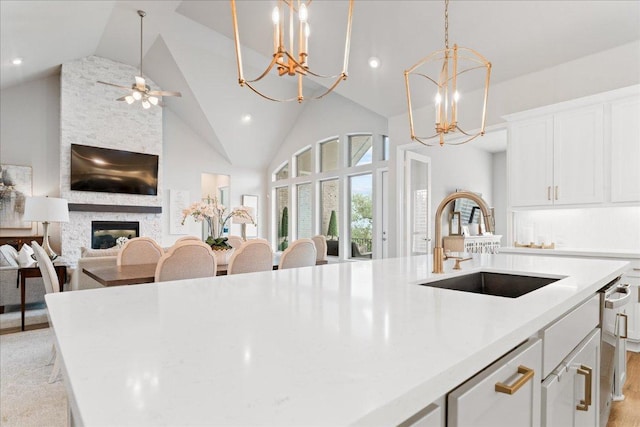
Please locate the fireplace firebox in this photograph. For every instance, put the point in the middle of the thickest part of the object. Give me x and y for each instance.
(105, 233)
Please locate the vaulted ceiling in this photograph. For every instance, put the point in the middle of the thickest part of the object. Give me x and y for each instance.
(188, 46)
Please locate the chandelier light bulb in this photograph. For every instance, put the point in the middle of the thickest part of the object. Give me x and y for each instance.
(129, 99)
(275, 15)
(303, 14)
(145, 104)
(136, 95)
(153, 100)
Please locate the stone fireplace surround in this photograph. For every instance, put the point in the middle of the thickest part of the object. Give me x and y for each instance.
(89, 115)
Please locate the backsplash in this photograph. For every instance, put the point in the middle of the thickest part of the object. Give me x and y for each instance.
(606, 228)
(90, 115)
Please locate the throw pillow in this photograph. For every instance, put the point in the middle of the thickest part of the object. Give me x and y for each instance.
(88, 252)
(8, 256)
(24, 257)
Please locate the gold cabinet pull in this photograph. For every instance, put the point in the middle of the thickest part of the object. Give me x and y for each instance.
(548, 192)
(584, 404)
(626, 325)
(527, 374)
(556, 192)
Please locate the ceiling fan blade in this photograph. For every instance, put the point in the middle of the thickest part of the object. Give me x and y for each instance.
(141, 85)
(164, 93)
(114, 85)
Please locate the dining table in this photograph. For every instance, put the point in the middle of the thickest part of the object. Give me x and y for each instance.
(135, 274)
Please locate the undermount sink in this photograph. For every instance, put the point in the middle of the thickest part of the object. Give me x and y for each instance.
(497, 284)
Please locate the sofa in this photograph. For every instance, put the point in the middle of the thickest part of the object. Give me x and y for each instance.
(10, 262)
(92, 258)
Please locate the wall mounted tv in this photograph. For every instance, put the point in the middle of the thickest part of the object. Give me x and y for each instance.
(113, 171)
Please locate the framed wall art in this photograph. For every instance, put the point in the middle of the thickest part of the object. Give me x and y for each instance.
(15, 187)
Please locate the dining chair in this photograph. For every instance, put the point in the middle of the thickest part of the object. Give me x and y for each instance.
(235, 241)
(300, 253)
(51, 285)
(187, 238)
(254, 255)
(140, 250)
(188, 259)
(321, 247)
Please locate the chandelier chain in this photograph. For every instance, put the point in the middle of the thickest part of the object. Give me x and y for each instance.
(446, 24)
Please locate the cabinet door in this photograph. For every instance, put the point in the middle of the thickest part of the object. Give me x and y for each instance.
(567, 399)
(578, 153)
(484, 399)
(625, 150)
(633, 308)
(531, 162)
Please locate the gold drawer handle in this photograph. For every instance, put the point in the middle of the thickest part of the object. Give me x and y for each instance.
(527, 374)
(626, 325)
(584, 404)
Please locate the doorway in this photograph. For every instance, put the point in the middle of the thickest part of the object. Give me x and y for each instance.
(415, 209)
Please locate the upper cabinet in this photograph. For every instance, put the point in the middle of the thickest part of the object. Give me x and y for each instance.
(568, 154)
(625, 150)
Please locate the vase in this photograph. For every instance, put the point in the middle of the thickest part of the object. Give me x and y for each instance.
(223, 256)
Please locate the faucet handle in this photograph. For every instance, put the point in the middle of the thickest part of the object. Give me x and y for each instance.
(458, 261)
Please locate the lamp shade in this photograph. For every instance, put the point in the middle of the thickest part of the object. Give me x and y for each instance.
(243, 219)
(46, 209)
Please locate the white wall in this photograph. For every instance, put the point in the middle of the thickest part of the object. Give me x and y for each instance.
(30, 136)
(186, 157)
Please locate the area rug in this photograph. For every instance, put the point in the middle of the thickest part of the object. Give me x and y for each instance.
(31, 317)
(26, 397)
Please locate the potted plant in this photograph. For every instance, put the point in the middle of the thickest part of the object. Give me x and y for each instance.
(215, 215)
(283, 231)
(332, 230)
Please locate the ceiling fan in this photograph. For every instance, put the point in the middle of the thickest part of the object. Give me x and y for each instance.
(140, 90)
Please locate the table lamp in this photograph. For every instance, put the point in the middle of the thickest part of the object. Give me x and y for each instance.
(244, 220)
(46, 209)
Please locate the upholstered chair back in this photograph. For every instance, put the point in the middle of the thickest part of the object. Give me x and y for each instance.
(254, 255)
(235, 241)
(321, 247)
(188, 259)
(301, 253)
(185, 238)
(47, 270)
(140, 250)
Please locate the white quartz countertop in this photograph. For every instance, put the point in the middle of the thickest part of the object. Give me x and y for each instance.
(339, 344)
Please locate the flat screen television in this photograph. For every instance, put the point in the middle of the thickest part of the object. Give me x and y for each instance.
(113, 171)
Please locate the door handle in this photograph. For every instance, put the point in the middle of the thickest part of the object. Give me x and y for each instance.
(527, 374)
(587, 372)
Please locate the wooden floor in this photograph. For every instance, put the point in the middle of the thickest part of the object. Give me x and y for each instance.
(627, 412)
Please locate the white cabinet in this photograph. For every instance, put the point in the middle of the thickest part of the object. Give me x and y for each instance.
(632, 277)
(578, 152)
(625, 150)
(570, 395)
(557, 159)
(507, 393)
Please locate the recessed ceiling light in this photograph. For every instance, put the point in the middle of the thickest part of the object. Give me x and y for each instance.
(246, 118)
(16, 61)
(374, 62)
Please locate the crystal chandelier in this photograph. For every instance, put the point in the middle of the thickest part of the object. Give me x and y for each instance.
(449, 68)
(291, 31)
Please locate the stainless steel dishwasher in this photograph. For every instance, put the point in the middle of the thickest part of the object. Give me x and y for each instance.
(613, 323)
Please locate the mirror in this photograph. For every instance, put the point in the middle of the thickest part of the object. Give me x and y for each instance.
(219, 186)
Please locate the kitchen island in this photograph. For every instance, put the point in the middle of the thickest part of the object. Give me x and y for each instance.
(340, 344)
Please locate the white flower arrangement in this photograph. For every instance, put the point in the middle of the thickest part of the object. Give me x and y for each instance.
(120, 241)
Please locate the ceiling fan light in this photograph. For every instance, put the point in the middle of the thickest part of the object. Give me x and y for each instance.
(153, 100)
(136, 95)
(129, 99)
(145, 104)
